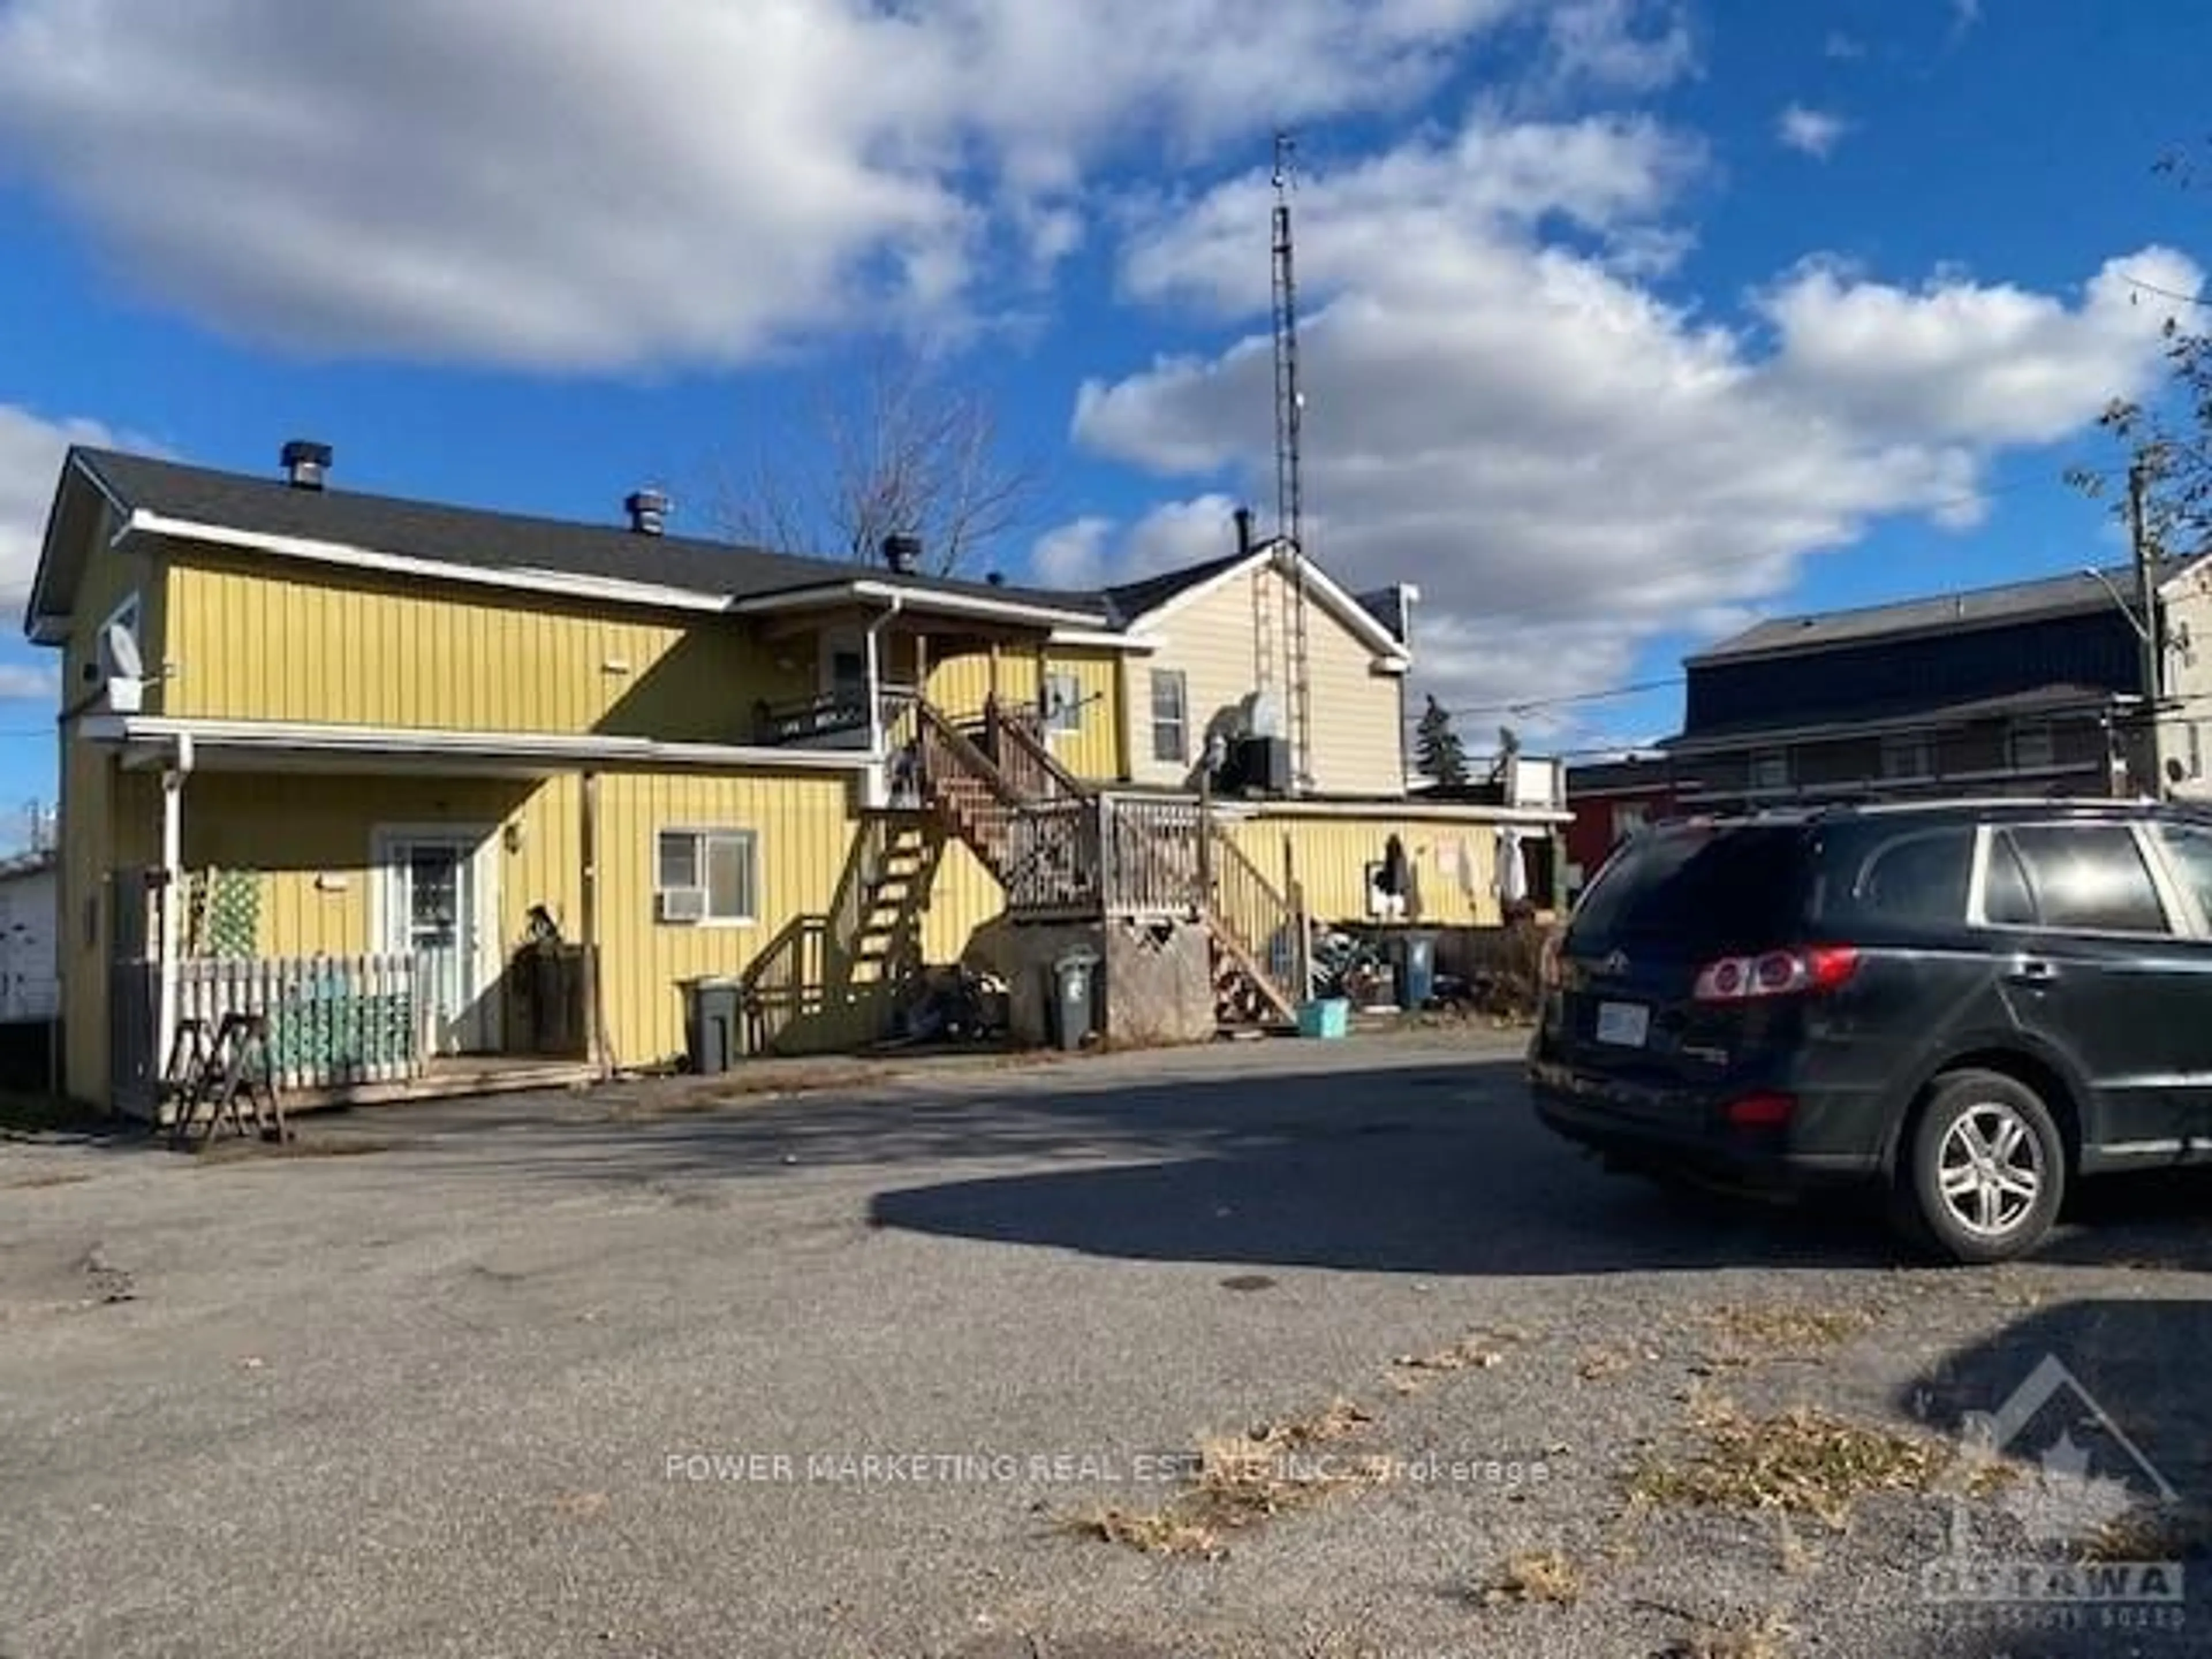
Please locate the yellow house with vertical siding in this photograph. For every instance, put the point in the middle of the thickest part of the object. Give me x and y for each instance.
(424, 784)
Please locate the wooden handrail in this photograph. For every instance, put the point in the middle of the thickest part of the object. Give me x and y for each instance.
(940, 735)
(1031, 754)
(1251, 916)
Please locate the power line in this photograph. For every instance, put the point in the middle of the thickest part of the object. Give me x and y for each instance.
(2165, 293)
(1527, 705)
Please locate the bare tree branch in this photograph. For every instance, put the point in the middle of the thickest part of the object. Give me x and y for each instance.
(903, 449)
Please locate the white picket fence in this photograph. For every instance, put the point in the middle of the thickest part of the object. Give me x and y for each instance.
(332, 1020)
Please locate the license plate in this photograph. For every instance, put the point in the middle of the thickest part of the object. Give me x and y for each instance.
(1623, 1024)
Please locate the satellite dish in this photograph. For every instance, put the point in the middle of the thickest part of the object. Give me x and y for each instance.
(1509, 740)
(124, 662)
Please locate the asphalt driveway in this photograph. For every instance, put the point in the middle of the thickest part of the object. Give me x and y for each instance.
(919, 1367)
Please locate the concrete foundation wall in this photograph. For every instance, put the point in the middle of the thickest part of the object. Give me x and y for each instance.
(1154, 986)
(1159, 983)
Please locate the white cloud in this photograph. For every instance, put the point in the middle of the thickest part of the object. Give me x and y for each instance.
(31, 451)
(1626, 45)
(1811, 131)
(1842, 47)
(1965, 13)
(1569, 464)
(24, 682)
(1089, 551)
(565, 184)
(1073, 555)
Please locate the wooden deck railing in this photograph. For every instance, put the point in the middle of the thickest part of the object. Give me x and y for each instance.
(332, 1020)
(1151, 855)
(1053, 864)
(839, 718)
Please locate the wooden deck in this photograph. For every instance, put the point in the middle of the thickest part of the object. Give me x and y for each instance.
(453, 1078)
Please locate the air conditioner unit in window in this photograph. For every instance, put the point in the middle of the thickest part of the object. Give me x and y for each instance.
(682, 903)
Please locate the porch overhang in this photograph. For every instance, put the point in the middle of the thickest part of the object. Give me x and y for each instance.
(154, 741)
(917, 601)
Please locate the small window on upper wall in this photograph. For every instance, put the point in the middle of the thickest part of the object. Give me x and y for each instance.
(1063, 702)
(1908, 756)
(2033, 749)
(1769, 768)
(1170, 717)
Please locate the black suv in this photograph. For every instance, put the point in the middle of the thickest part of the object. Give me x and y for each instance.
(1972, 1002)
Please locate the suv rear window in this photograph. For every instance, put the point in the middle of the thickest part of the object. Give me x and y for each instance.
(1698, 886)
(1916, 874)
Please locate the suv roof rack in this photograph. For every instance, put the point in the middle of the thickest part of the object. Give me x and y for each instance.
(1829, 810)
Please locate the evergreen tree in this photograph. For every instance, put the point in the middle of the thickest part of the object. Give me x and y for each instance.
(1437, 751)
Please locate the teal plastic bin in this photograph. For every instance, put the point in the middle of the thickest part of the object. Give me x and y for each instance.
(1325, 1017)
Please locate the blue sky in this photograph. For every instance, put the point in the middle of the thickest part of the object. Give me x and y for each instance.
(1628, 321)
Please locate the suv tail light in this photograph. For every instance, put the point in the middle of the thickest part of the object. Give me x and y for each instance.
(1806, 972)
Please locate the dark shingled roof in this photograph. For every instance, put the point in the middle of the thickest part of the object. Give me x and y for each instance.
(1133, 599)
(1979, 607)
(483, 539)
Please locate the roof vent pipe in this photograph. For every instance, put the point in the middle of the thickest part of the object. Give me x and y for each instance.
(305, 463)
(1243, 531)
(648, 510)
(902, 553)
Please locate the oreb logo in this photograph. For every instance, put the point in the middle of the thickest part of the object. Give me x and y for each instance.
(2083, 1480)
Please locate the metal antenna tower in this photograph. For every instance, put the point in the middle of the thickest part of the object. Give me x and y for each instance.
(1290, 503)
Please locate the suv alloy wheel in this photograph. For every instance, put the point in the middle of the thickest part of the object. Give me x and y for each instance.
(1986, 1171)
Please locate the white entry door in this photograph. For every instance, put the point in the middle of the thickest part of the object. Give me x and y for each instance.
(437, 907)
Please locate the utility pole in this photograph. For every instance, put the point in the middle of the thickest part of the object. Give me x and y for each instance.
(2149, 632)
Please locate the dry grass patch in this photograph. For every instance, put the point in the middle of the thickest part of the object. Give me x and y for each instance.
(1536, 1575)
(735, 1087)
(235, 1149)
(1240, 1480)
(1802, 1459)
(1736, 1636)
(1595, 1365)
(2174, 1533)
(1477, 1351)
(1787, 1328)
(46, 1178)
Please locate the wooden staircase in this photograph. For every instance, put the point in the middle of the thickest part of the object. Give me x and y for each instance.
(1255, 937)
(1058, 847)
(883, 935)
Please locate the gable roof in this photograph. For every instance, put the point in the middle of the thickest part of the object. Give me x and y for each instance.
(173, 498)
(1980, 607)
(1130, 600)
(1137, 603)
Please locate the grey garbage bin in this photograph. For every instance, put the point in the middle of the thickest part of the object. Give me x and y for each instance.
(1071, 998)
(1413, 957)
(713, 1006)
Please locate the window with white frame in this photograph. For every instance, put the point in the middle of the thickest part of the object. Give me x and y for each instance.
(1063, 702)
(703, 877)
(1769, 768)
(2032, 748)
(1908, 755)
(1628, 821)
(1170, 717)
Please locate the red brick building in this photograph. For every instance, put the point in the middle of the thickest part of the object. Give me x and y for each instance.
(1610, 799)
